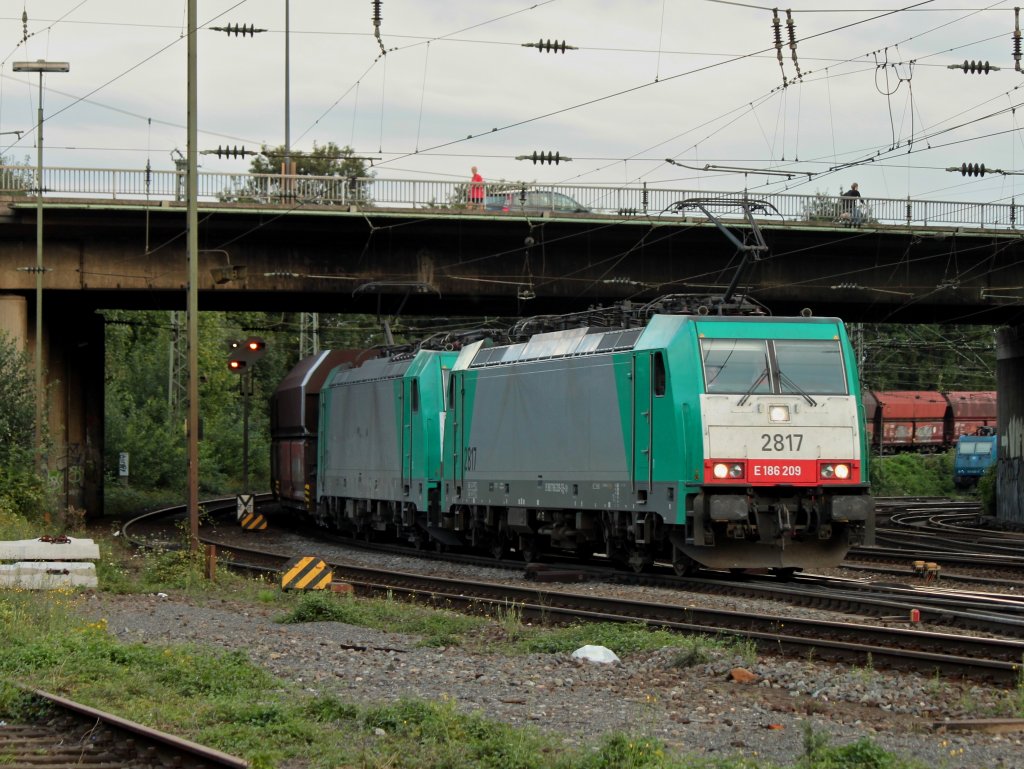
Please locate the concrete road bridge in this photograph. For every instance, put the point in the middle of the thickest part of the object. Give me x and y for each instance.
(116, 239)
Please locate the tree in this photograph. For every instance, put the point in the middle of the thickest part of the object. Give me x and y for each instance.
(326, 162)
(22, 490)
(16, 181)
(17, 399)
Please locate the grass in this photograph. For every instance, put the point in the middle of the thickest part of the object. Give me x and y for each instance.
(220, 698)
(435, 626)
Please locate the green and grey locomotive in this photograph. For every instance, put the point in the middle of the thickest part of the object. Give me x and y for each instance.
(725, 442)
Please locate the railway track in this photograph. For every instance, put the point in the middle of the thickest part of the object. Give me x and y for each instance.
(897, 647)
(71, 734)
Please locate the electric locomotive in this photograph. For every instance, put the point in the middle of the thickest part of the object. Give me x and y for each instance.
(379, 448)
(975, 454)
(730, 442)
(727, 442)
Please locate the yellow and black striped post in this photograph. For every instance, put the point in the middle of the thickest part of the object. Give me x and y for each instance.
(253, 522)
(306, 573)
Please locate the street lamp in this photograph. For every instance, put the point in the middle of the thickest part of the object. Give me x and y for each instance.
(41, 66)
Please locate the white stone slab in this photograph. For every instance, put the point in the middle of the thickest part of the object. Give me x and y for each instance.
(48, 575)
(33, 549)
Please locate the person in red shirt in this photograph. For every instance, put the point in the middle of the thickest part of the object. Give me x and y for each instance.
(476, 190)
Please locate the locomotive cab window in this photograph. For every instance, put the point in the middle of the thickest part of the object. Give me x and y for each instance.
(735, 365)
(779, 366)
(658, 374)
(415, 393)
(810, 366)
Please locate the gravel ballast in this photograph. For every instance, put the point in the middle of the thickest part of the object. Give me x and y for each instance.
(697, 709)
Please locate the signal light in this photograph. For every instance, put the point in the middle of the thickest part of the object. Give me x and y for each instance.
(243, 354)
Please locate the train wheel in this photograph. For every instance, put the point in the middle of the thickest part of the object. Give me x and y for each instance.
(784, 575)
(498, 550)
(529, 548)
(640, 562)
(683, 565)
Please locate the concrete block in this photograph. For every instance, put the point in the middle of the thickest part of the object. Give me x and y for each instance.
(48, 575)
(36, 550)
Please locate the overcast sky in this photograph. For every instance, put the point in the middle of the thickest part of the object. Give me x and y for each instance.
(697, 81)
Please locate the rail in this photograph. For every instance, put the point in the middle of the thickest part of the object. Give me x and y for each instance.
(442, 195)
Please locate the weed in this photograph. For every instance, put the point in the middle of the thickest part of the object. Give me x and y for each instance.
(625, 638)
(510, 618)
(436, 628)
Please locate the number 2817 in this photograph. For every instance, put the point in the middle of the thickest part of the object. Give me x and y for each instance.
(782, 441)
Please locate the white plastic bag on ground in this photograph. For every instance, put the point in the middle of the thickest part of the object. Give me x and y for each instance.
(595, 654)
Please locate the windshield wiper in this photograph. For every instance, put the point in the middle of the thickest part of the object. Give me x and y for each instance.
(750, 390)
(796, 388)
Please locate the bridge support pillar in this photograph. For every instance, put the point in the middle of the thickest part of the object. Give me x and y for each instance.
(1010, 385)
(75, 361)
(14, 318)
(73, 364)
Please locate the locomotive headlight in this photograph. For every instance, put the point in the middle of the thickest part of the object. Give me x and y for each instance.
(838, 470)
(723, 470)
(778, 413)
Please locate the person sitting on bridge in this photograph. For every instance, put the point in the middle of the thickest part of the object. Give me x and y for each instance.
(851, 206)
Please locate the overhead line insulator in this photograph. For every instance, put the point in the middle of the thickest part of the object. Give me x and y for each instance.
(545, 157)
(791, 27)
(974, 67)
(777, 33)
(238, 29)
(970, 169)
(229, 152)
(1016, 39)
(550, 46)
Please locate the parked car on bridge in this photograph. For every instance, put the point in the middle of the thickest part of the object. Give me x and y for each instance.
(533, 201)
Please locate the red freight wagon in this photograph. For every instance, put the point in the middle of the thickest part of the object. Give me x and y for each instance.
(871, 416)
(294, 418)
(969, 411)
(912, 419)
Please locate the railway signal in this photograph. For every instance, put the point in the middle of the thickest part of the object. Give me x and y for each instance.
(244, 353)
(240, 360)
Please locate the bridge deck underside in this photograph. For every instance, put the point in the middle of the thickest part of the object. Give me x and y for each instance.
(506, 265)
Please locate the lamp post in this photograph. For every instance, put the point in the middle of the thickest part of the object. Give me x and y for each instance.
(41, 66)
(287, 95)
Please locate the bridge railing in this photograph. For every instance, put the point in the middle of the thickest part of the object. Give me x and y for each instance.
(636, 200)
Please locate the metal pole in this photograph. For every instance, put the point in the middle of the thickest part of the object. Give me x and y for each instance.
(192, 218)
(39, 280)
(287, 95)
(246, 383)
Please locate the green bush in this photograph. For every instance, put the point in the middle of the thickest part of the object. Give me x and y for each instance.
(22, 490)
(987, 491)
(913, 475)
